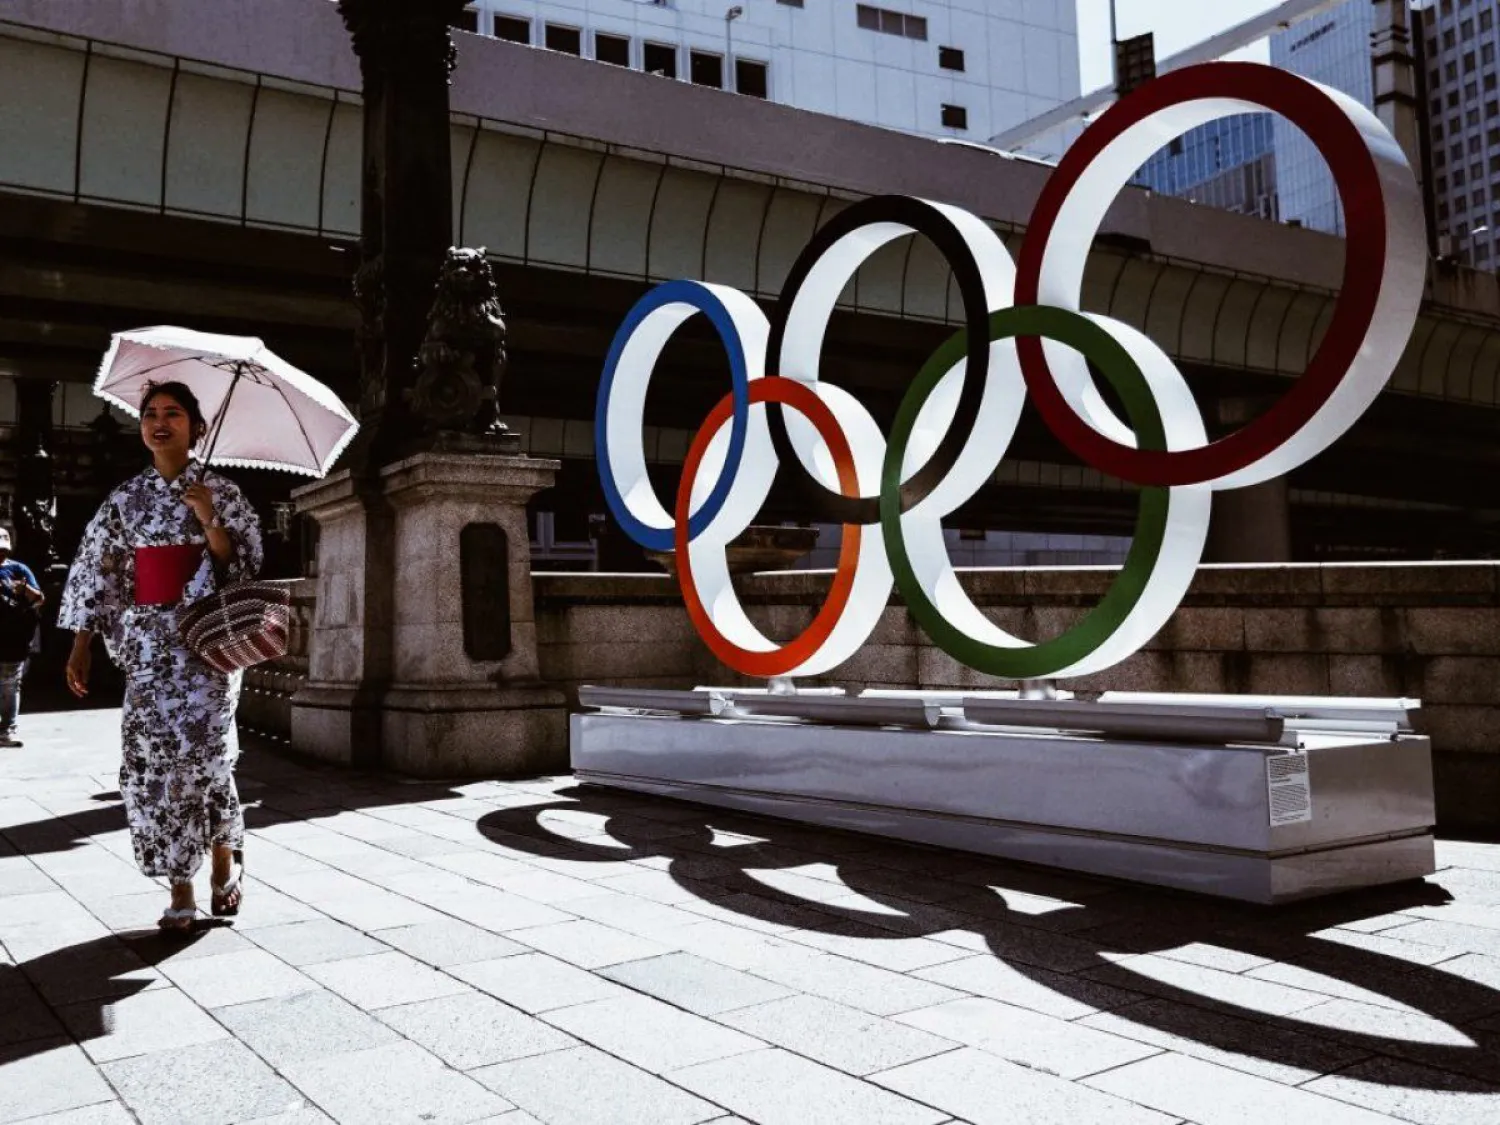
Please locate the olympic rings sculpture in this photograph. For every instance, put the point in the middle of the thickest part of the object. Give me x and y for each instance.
(1024, 333)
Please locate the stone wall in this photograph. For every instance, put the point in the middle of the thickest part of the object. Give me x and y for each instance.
(1427, 631)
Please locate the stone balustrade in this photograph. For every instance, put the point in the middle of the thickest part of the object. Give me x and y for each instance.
(1428, 631)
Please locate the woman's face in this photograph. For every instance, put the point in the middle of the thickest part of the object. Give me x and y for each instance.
(166, 427)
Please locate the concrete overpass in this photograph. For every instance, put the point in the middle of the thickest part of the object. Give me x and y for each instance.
(161, 162)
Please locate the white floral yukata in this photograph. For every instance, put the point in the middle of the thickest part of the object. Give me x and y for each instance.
(178, 732)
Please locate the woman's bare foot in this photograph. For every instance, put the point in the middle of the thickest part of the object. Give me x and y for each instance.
(227, 881)
(180, 915)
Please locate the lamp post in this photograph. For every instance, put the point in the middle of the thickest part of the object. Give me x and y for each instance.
(730, 16)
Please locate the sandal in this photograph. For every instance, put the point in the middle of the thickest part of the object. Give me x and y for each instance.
(226, 898)
(178, 919)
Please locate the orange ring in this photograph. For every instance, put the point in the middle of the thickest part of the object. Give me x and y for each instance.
(779, 661)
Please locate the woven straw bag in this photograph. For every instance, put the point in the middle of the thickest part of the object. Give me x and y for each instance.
(244, 625)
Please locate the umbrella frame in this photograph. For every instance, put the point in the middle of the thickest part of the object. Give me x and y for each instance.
(241, 369)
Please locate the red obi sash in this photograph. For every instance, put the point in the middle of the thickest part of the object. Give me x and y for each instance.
(162, 573)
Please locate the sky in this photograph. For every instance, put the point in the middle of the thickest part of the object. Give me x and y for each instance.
(1177, 24)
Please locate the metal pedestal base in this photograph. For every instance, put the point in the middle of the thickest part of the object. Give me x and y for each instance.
(1193, 817)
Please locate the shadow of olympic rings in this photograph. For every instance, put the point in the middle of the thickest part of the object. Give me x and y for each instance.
(1094, 971)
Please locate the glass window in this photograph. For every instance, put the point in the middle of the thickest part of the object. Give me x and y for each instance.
(955, 117)
(790, 3)
(568, 40)
(1451, 72)
(950, 58)
(750, 78)
(1450, 39)
(891, 23)
(1487, 53)
(467, 20)
(1466, 31)
(612, 49)
(1472, 117)
(1471, 90)
(513, 29)
(1486, 20)
(1453, 99)
(1437, 130)
(1458, 177)
(705, 69)
(1441, 184)
(660, 59)
(1489, 82)
(1475, 144)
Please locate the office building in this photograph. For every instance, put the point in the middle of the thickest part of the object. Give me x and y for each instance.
(1459, 44)
(1333, 49)
(1229, 164)
(941, 68)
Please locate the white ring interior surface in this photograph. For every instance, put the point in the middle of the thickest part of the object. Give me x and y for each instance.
(625, 419)
(1082, 214)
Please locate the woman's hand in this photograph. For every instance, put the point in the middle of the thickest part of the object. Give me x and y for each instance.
(201, 500)
(80, 661)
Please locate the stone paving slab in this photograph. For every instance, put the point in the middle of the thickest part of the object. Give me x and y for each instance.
(533, 951)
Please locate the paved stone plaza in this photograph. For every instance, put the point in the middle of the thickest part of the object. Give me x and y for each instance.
(533, 951)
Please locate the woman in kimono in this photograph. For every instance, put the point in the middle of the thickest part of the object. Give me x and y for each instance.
(163, 540)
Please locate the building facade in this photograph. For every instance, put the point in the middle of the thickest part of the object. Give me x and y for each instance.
(1333, 49)
(1460, 40)
(938, 68)
(1229, 164)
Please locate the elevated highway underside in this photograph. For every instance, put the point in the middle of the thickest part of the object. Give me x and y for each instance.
(168, 171)
(1414, 479)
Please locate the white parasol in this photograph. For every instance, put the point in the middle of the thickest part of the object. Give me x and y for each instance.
(262, 412)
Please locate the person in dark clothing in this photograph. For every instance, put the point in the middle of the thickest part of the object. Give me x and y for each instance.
(20, 598)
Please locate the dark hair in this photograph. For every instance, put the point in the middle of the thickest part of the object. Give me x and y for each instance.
(185, 398)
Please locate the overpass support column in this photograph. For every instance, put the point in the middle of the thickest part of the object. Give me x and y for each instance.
(1250, 525)
(36, 500)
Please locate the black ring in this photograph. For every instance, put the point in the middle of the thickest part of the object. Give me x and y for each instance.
(919, 217)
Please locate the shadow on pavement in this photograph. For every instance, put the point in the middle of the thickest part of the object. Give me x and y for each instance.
(83, 981)
(1090, 945)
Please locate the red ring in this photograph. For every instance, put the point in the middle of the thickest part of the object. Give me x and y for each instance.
(779, 661)
(1354, 171)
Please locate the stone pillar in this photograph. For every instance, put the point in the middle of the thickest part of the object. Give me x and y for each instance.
(336, 714)
(461, 695)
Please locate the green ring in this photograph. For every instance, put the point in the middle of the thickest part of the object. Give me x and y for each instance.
(1124, 374)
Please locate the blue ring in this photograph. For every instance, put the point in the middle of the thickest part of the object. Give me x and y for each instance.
(703, 300)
